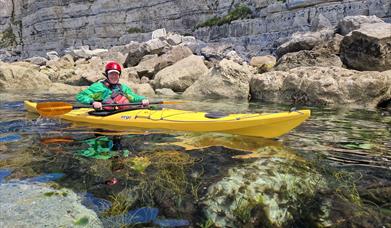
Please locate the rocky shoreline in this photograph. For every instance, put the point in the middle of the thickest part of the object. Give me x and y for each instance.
(349, 65)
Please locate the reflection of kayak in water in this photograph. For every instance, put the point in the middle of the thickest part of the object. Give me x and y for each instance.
(267, 125)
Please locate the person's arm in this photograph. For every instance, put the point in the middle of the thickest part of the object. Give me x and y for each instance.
(132, 96)
(93, 93)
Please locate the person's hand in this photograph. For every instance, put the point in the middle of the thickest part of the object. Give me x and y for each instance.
(97, 105)
(145, 103)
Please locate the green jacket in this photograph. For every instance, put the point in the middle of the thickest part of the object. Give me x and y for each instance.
(99, 92)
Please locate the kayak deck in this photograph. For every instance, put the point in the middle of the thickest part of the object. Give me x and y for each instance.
(267, 125)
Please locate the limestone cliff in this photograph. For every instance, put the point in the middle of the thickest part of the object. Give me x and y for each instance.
(44, 25)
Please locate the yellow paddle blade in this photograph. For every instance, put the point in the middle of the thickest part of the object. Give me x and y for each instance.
(65, 139)
(53, 108)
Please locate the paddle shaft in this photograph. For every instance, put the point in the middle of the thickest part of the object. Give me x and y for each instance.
(116, 105)
(60, 108)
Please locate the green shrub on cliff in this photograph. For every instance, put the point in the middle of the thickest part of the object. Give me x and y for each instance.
(8, 38)
(240, 12)
(134, 30)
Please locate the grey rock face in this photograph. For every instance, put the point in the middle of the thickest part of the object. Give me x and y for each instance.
(45, 25)
(368, 48)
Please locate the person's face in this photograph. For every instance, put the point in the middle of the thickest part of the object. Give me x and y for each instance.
(113, 77)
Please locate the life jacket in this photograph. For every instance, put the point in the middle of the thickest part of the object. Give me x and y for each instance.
(117, 96)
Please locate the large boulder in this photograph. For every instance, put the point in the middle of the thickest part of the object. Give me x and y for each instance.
(40, 61)
(112, 56)
(331, 47)
(34, 205)
(22, 76)
(227, 80)
(87, 72)
(216, 51)
(263, 63)
(322, 86)
(304, 41)
(351, 23)
(181, 75)
(136, 52)
(320, 23)
(156, 46)
(307, 58)
(174, 55)
(60, 88)
(368, 48)
(85, 52)
(141, 89)
(153, 63)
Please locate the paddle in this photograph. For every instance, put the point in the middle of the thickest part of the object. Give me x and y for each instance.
(60, 108)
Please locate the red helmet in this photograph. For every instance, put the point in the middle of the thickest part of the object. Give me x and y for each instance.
(112, 66)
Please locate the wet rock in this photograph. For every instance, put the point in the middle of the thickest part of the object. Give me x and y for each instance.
(351, 23)
(33, 205)
(322, 86)
(265, 186)
(368, 48)
(307, 58)
(227, 80)
(181, 75)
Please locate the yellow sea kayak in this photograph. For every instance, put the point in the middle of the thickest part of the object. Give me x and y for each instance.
(266, 125)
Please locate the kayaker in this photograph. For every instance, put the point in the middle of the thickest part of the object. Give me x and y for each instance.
(110, 91)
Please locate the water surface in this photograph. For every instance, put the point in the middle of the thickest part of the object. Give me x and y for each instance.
(333, 170)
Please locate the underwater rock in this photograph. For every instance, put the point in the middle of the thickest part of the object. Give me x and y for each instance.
(274, 191)
(96, 204)
(10, 138)
(34, 205)
(45, 178)
(4, 173)
(140, 215)
(171, 222)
